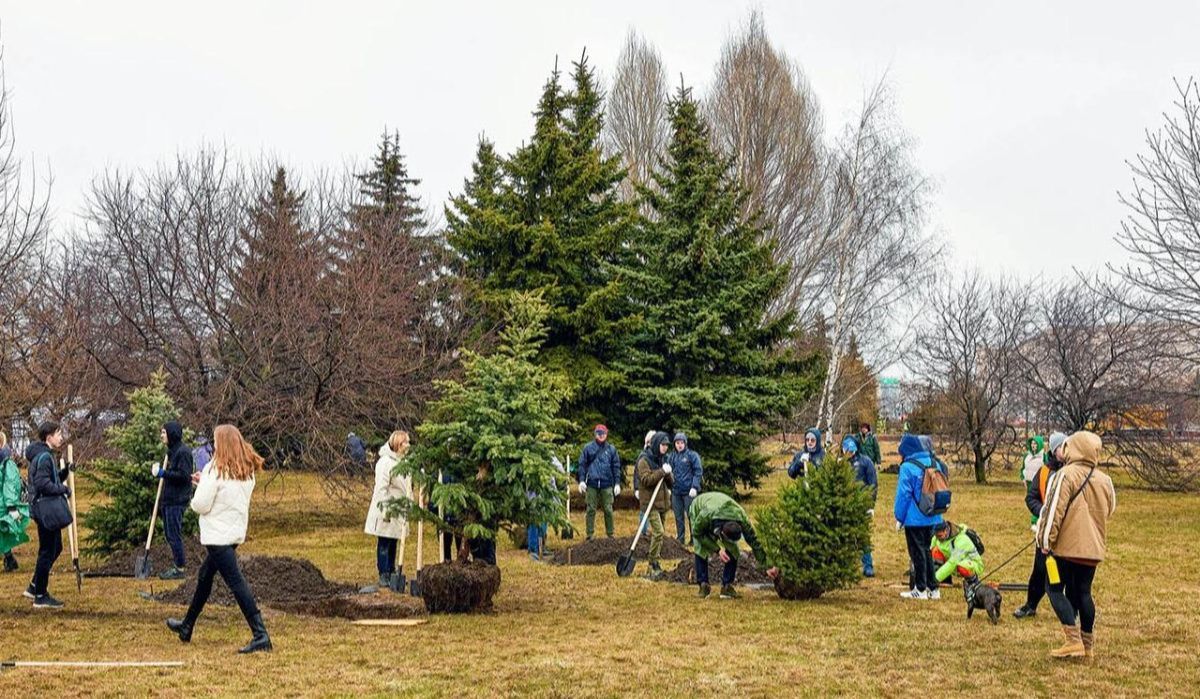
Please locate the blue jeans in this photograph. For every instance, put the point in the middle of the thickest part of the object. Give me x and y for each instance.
(173, 527)
(868, 561)
(385, 555)
(535, 534)
(680, 505)
(727, 573)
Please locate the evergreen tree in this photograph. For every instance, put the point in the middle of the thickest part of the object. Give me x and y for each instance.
(707, 358)
(388, 190)
(493, 434)
(120, 523)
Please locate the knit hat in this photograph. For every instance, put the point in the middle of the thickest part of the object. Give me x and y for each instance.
(680, 437)
(1057, 439)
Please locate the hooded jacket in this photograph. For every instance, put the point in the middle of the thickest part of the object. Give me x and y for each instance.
(1077, 531)
(686, 467)
(868, 445)
(908, 483)
(599, 465)
(1034, 458)
(387, 487)
(12, 530)
(957, 551)
(177, 478)
(807, 458)
(648, 472)
(707, 510)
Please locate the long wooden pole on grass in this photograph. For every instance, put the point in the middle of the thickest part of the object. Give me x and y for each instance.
(441, 537)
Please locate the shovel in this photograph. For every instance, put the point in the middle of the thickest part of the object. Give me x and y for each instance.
(414, 585)
(74, 533)
(569, 531)
(398, 582)
(141, 564)
(626, 562)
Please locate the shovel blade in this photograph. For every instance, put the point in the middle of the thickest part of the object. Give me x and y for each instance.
(78, 575)
(625, 565)
(398, 582)
(414, 588)
(141, 566)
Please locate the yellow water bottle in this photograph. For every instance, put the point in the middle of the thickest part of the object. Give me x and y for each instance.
(1052, 570)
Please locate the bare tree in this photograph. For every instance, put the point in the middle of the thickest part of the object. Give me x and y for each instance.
(635, 125)
(967, 349)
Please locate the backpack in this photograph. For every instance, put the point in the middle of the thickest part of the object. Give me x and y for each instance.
(974, 537)
(935, 489)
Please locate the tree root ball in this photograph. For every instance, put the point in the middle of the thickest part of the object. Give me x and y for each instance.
(787, 589)
(459, 588)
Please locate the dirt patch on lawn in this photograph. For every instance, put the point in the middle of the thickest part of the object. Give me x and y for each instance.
(120, 564)
(459, 588)
(601, 551)
(748, 572)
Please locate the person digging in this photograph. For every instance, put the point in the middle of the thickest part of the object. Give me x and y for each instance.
(718, 523)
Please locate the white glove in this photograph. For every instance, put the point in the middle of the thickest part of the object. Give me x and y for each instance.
(154, 469)
(804, 457)
(692, 493)
(899, 525)
(582, 487)
(637, 495)
(1033, 528)
(616, 490)
(666, 469)
(15, 515)
(871, 512)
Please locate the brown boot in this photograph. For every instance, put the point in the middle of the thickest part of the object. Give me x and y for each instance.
(1073, 648)
(1089, 642)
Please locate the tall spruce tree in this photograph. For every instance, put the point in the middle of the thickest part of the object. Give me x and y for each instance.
(707, 358)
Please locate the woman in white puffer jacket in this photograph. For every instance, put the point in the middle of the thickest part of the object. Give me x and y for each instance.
(389, 530)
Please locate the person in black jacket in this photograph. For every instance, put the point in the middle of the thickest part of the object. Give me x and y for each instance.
(1035, 497)
(177, 493)
(45, 481)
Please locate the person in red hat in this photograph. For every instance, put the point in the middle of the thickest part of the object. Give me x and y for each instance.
(599, 479)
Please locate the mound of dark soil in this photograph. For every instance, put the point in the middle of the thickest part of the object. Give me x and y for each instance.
(602, 551)
(458, 588)
(790, 590)
(748, 572)
(277, 582)
(120, 565)
(380, 606)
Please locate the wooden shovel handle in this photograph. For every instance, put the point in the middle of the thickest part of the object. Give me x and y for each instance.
(154, 512)
(646, 515)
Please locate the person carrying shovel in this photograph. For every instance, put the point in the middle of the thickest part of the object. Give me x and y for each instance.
(718, 523)
(651, 469)
(176, 494)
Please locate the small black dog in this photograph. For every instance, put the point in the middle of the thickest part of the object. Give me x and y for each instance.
(985, 597)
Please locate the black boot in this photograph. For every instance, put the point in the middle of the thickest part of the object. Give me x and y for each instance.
(261, 640)
(182, 627)
(10, 562)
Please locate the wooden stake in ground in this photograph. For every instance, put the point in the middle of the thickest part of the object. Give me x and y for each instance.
(11, 664)
(441, 537)
(399, 582)
(74, 519)
(414, 587)
(141, 563)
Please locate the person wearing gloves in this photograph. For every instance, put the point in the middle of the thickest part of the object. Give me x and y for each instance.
(176, 494)
(222, 500)
(864, 472)
(45, 485)
(954, 552)
(599, 479)
(14, 510)
(868, 445)
(1071, 532)
(388, 530)
(637, 494)
(718, 523)
(918, 526)
(687, 471)
(652, 468)
(1035, 498)
(810, 456)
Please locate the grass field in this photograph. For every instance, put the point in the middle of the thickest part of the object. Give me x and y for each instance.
(560, 631)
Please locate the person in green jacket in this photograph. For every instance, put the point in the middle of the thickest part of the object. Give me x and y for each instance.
(14, 511)
(954, 552)
(868, 445)
(718, 523)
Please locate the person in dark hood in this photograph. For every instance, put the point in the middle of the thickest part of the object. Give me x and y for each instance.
(652, 468)
(356, 453)
(176, 494)
(864, 473)
(686, 471)
(810, 456)
(45, 483)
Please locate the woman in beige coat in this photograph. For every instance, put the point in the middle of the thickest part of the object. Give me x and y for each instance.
(388, 530)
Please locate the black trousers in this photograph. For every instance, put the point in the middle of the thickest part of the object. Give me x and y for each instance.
(924, 573)
(1037, 580)
(483, 550)
(1072, 597)
(223, 560)
(49, 548)
(450, 546)
(385, 555)
(728, 572)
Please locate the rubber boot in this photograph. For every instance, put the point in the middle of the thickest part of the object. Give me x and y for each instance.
(704, 590)
(1089, 642)
(1073, 648)
(182, 628)
(261, 640)
(10, 562)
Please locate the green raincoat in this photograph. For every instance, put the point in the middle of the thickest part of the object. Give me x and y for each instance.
(12, 531)
(710, 507)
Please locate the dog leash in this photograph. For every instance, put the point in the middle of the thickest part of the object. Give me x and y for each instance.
(1011, 558)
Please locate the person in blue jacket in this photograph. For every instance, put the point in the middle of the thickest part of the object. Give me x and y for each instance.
(918, 526)
(687, 470)
(864, 472)
(810, 456)
(599, 479)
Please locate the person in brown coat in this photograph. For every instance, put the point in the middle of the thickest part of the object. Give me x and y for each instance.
(651, 468)
(1071, 533)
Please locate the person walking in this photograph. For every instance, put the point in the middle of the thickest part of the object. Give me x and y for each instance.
(687, 471)
(718, 523)
(14, 510)
(868, 445)
(810, 456)
(918, 526)
(48, 508)
(651, 469)
(222, 500)
(599, 479)
(176, 494)
(1035, 498)
(1072, 533)
(865, 473)
(388, 529)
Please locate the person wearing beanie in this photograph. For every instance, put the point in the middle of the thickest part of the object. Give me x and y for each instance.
(954, 552)
(652, 468)
(810, 456)
(918, 526)
(637, 494)
(687, 471)
(864, 472)
(1035, 497)
(1071, 532)
(599, 479)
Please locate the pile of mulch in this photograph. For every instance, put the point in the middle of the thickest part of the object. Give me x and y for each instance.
(748, 572)
(120, 564)
(602, 551)
(459, 588)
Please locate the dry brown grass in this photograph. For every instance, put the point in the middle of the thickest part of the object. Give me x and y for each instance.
(574, 631)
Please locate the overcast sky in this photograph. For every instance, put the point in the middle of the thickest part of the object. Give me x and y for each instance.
(1023, 113)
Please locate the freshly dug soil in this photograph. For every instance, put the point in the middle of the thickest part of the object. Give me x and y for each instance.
(601, 551)
(748, 572)
(458, 588)
(380, 606)
(120, 565)
(277, 581)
